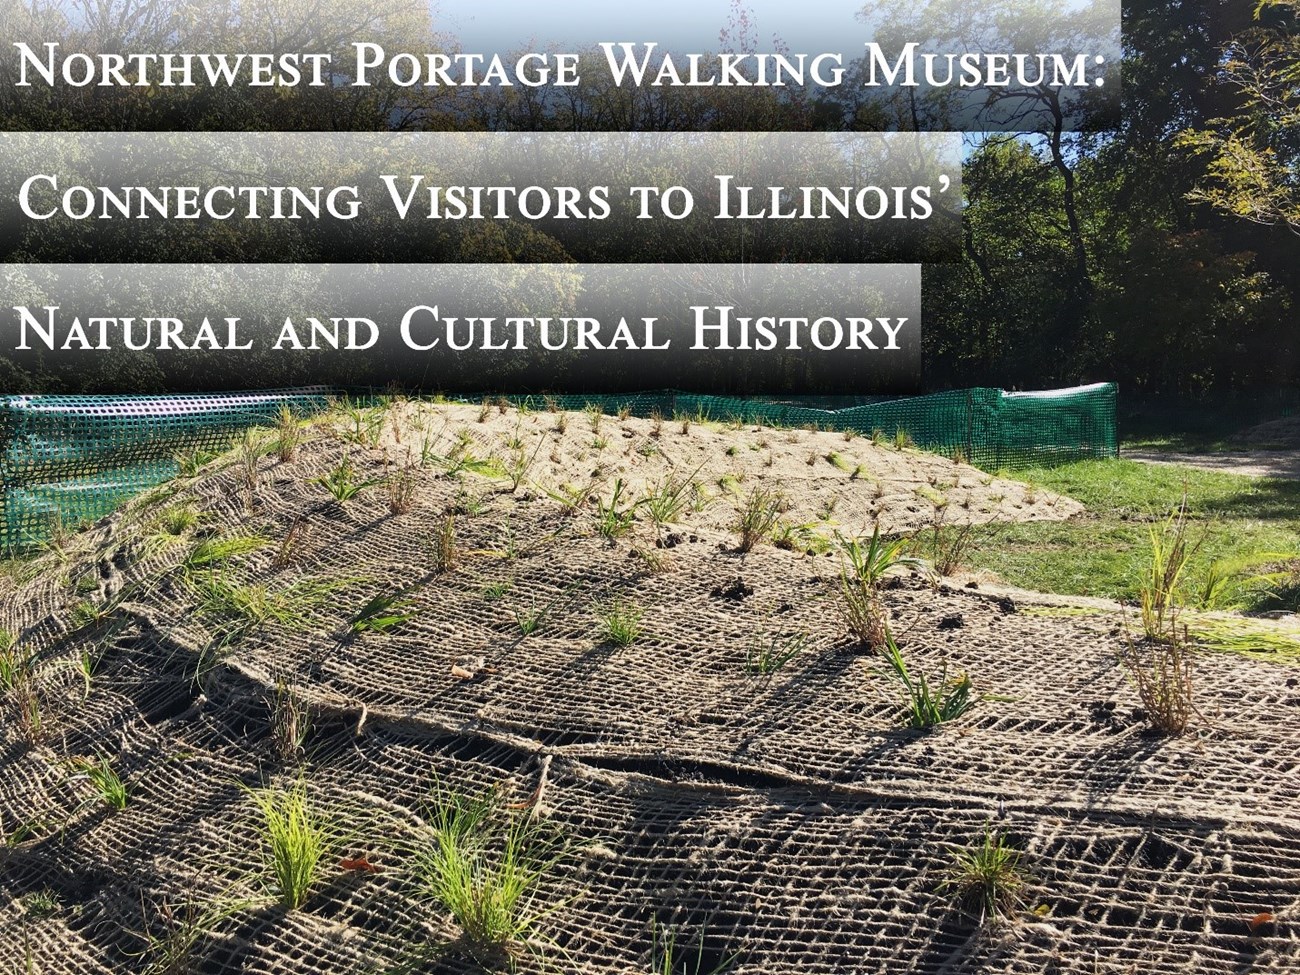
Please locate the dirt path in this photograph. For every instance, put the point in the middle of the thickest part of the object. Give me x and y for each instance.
(1252, 463)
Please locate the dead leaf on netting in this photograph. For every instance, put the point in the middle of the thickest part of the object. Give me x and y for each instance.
(358, 865)
(1261, 920)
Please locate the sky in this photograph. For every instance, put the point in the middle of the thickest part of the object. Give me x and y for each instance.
(809, 27)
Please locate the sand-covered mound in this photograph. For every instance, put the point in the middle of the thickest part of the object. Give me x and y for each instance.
(1281, 434)
(778, 822)
(828, 481)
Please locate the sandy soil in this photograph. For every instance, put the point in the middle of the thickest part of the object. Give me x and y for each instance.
(829, 482)
(1280, 434)
(1250, 463)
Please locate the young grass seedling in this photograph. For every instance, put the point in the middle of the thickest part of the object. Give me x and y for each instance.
(104, 781)
(495, 590)
(614, 521)
(211, 551)
(401, 491)
(987, 877)
(384, 613)
(668, 958)
(758, 515)
(16, 663)
(520, 462)
(863, 567)
(766, 655)
(295, 840)
(173, 951)
(530, 620)
(928, 705)
(291, 546)
(288, 435)
(620, 622)
(342, 482)
(484, 865)
(28, 697)
(666, 500)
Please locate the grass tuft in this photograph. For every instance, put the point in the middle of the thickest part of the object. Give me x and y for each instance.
(620, 622)
(484, 866)
(104, 780)
(758, 516)
(383, 613)
(766, 656)
(927, 705)
(342, 482)
(1163, 673)
(441, 545)
(986, 878)
(863, 567)
(295, 840)
(612, 519)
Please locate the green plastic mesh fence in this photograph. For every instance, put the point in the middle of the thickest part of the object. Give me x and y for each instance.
(66, 460)
(989, 428)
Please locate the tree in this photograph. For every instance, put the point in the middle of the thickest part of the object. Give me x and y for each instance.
(1253, 157)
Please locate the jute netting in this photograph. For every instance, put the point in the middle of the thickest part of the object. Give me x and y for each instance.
(785, 823)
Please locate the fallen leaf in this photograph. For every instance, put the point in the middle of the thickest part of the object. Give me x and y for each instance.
(1260, 920)
(358, 865)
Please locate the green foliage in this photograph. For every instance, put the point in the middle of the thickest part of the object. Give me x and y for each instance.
(246, 606)
(613, 518)
(16, 662)
(213, 551)
(1236, 520)
(342, 482)
(987, 877)
(758, 516)
(766, 655)
(103, 779)
(926, 704)
(484, 866)
(668, 499)
(530, 620)
(867, 562)
(295, 839)
(288, 435)
(620, 622)
(863, 565)
(1252, 158)
(1161, 588)
(385, 612)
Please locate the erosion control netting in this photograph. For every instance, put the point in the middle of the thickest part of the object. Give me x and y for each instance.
(66, 460)
(786, 823)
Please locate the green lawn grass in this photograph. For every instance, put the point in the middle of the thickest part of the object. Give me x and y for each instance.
(1102, 553)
